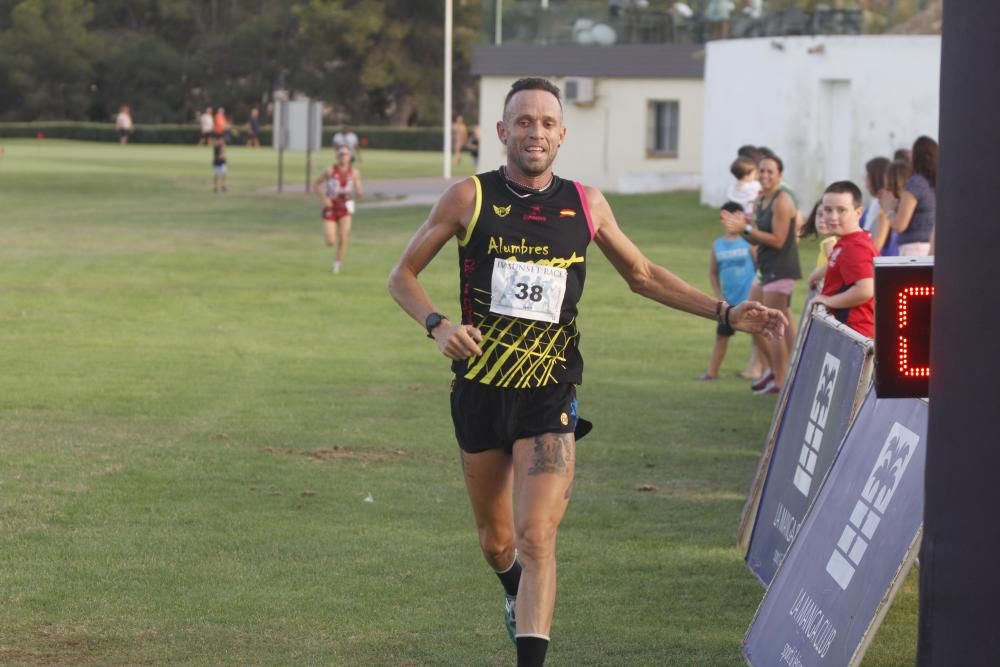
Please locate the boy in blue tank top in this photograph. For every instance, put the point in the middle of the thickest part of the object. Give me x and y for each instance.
(731, 274)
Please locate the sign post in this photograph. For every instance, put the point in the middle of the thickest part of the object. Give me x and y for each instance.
(298, 127)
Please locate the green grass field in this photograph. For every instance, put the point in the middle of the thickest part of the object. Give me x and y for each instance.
(214, 452)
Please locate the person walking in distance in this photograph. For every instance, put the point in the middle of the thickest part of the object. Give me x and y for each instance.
(206, 122)
(459, 137)
(219, 165)
(338, 186)
(523, 234)
(123, 124)
(253, 128)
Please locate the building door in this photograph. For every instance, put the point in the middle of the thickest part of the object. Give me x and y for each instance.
(836, 131)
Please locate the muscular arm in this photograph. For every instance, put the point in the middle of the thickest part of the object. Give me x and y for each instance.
(657, 283)
(449, 219)
(643, 277)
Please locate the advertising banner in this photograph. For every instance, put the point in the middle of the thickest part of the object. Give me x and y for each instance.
(854, 547)
(824, 389)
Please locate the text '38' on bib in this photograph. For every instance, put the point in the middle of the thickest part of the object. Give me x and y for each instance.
(530, 291)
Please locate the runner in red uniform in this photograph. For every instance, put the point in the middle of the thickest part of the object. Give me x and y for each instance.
(338, 186)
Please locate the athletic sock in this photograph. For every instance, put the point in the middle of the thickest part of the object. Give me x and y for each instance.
(531, 650)
(511, 577)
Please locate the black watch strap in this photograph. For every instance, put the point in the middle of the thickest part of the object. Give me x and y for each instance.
(432, 321)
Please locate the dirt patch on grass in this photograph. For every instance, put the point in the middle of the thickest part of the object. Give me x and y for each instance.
(60, 644)
(338, 453)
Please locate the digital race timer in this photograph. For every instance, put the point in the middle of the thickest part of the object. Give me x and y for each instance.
(904, 294)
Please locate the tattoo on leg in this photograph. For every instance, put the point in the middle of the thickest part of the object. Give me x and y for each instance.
(552, 452)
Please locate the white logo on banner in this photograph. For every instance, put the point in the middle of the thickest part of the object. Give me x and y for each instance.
(817, 422)
(870, 508)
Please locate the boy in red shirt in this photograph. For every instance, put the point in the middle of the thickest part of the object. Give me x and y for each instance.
(849, 286)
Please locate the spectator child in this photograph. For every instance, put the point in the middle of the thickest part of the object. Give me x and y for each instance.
(815, 225)
(849, 287)
(731, 273)
(746, 189)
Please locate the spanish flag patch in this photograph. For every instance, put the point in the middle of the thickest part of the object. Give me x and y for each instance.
(567, 213)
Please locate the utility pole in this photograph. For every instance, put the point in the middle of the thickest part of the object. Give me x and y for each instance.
(447, 87)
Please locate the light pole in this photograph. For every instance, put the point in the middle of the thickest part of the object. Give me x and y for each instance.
(447, 87)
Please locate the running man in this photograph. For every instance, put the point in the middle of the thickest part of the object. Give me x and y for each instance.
(338, 186)
(522, 235)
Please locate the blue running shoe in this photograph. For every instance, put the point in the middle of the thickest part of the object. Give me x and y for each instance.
(509, 621)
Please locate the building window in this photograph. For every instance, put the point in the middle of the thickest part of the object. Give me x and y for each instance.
(662, 121)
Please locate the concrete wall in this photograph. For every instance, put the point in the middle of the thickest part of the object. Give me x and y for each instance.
(606, 142)
(874, 94)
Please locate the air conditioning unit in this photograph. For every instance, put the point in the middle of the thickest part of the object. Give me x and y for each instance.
(579, 89)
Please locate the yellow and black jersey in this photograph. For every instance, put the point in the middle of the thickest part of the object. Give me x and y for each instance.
(514, 234)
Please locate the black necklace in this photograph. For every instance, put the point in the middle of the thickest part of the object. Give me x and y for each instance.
(512, 184)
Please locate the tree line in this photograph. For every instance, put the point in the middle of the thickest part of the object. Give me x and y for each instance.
(373, 61)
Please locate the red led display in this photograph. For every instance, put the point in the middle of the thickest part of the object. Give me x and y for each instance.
(904, 295)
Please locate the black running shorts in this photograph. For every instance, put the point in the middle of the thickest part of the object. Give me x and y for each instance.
(487, 417)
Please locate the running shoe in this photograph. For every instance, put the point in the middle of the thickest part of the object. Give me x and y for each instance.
(763, 382)
(509, 621)
(769, 388)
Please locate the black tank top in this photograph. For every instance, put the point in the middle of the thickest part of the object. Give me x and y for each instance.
(551, 228)
(776, 263)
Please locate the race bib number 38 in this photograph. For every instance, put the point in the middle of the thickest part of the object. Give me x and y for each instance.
(527, 290)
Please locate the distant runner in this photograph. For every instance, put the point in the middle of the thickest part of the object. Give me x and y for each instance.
(338, 187)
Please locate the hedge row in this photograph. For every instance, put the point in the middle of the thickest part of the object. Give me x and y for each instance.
(396, 138)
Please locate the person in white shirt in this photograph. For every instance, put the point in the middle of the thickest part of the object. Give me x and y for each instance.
(345, 138)
(123, 124)
(206, 121)
(745, 190)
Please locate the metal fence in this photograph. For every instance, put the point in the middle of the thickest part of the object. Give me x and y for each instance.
(629, 22)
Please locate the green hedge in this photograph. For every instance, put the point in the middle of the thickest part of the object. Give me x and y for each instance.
(396, 138)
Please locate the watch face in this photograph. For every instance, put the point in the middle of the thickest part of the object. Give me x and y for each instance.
(432, 321)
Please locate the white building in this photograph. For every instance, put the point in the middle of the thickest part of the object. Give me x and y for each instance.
(824, 104)
(633, 112)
